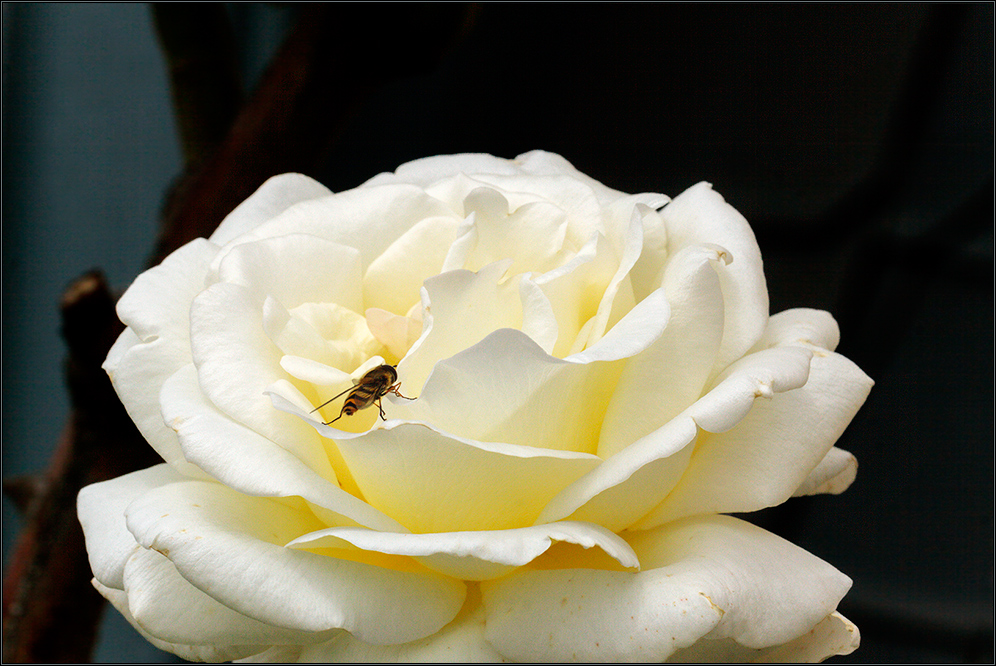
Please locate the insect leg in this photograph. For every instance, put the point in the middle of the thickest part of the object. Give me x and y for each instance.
(395, 390)
(382, 416)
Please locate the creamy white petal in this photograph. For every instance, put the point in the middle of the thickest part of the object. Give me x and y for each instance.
(157, 302)
(137, 380)
(100, 508)
(369, 219)
(166, 606)
(632, 482)
(771, 451)
(461, 641)
(393, 279)
(541, 163)
(835, 473)
(156, 309)
(428, 170)
(835, 635)
(575, 290)
(236, 362)
(273, 197)
(531, 235)
(660, 382)
(430, 481)
(231, 546)
(700, 215)
(714, 576)
(477, 555)
(461, 308)
(248, 462)
(507, 389)
(204, 653)
(802, 327)
(296, 269)
(617, 299)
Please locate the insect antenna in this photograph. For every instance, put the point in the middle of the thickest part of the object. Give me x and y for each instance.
(330, 400)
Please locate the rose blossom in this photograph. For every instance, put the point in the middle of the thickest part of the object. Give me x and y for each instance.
(596, 380)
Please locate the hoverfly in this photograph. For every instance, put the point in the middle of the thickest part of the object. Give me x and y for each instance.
(368, 391)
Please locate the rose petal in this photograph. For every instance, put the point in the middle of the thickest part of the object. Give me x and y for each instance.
(157, 302)
(369, 219)
(541, 163)
(101, 506)
(433, 482)
(393, 279)
(647, 272)
(248, 462)
(237, 362)
(205, 653)
(769, 454)
(506, 389)
(833, 475)
(531, 235)
(803, 327)
(700, 215)
(629, 484)
(715, 576)
(231, 546)
(461, 308)
(272, 198)
(835, 635)
(575, 290)
(296, 269)
(661, 381)
(171, 609)
(617, 299)
(137, 379)
(156, 309)
(462, 640)
(477, 555)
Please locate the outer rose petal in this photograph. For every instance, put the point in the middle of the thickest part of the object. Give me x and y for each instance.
(700, 215)
(834, 635)
(231, 546)
(715, 576)
(273, 197)
(101, 507)
(834, 474)
(157, 343)
(478, 555)
(462, 640)
(171, 609)
(768, 455)
(207, 653)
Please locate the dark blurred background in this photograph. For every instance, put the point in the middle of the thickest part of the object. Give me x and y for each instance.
(856, 138)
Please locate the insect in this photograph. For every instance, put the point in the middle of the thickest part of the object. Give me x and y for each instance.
(368, 391)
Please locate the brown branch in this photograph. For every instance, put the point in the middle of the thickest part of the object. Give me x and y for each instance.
(50, 609)
(199, 48)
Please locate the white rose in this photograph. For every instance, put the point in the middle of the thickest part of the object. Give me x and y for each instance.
(596, 379)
